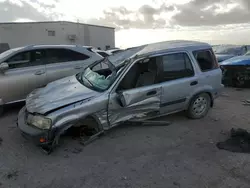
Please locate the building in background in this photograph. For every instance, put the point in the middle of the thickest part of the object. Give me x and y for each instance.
(58, 32)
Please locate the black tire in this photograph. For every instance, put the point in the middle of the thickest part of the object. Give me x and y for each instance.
(199, 106)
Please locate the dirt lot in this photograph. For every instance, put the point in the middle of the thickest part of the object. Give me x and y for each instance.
(183, 154)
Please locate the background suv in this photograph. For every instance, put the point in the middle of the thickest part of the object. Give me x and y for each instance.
(27, 68)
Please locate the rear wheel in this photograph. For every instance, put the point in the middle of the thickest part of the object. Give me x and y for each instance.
(199, 106)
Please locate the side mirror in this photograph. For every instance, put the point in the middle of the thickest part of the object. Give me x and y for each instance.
(4, 67)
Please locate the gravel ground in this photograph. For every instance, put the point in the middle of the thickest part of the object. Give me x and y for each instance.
(183, 154)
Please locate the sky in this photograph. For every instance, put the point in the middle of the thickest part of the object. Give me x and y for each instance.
(140, 22)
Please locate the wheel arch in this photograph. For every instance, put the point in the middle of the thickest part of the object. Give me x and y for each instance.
(91, 118)
(198, 93)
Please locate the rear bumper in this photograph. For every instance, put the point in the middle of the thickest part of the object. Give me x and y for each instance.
(217, 92)
(32, 133)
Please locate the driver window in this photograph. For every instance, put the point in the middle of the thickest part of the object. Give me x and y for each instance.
(19, 60)
(142, 73)
(26, 59)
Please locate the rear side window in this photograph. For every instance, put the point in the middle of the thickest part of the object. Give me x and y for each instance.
(63, 55)
(176, 66)
(205, 59)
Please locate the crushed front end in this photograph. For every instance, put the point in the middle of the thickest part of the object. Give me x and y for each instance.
(41, 136)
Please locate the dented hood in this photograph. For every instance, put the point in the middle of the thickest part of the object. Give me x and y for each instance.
(58, 94)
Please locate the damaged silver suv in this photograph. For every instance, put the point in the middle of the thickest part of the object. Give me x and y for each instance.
(140, 83)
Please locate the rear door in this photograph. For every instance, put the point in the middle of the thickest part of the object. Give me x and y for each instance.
(178, 81)
(26, 72)
(61, 63)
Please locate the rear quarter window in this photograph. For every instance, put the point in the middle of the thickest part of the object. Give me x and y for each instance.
(205, 59)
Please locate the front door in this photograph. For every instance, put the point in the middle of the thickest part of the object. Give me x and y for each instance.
(26, 72)
(137, 96)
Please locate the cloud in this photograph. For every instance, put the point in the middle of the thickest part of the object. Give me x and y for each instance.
(12, 10)
(145, 17)
(213, 12)
(191, 13)
(158, 14)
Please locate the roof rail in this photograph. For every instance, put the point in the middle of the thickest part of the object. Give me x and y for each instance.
(29, 46)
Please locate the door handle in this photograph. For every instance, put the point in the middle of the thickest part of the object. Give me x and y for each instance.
(40, 72)
(194, 83)
(78, 67)
(151, 93)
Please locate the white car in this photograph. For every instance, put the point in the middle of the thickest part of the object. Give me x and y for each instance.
(114, 50)
(26, 68)
(101, 52)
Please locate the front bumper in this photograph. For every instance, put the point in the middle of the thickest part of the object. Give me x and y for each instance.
(38, 136)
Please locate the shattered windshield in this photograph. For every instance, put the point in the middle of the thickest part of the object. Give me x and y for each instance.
(102, 74)
(99, 76)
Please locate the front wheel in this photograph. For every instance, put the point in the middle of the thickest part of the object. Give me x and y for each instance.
(199, 106)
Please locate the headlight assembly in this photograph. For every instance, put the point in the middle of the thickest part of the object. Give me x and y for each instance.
(39, 121)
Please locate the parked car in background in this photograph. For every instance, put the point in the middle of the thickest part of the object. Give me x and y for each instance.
(27, 68)
(114, 51)
(248, 53)
(140, 83)
(236, 71)
(224, 52)
(4, 47)
(102, 53)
